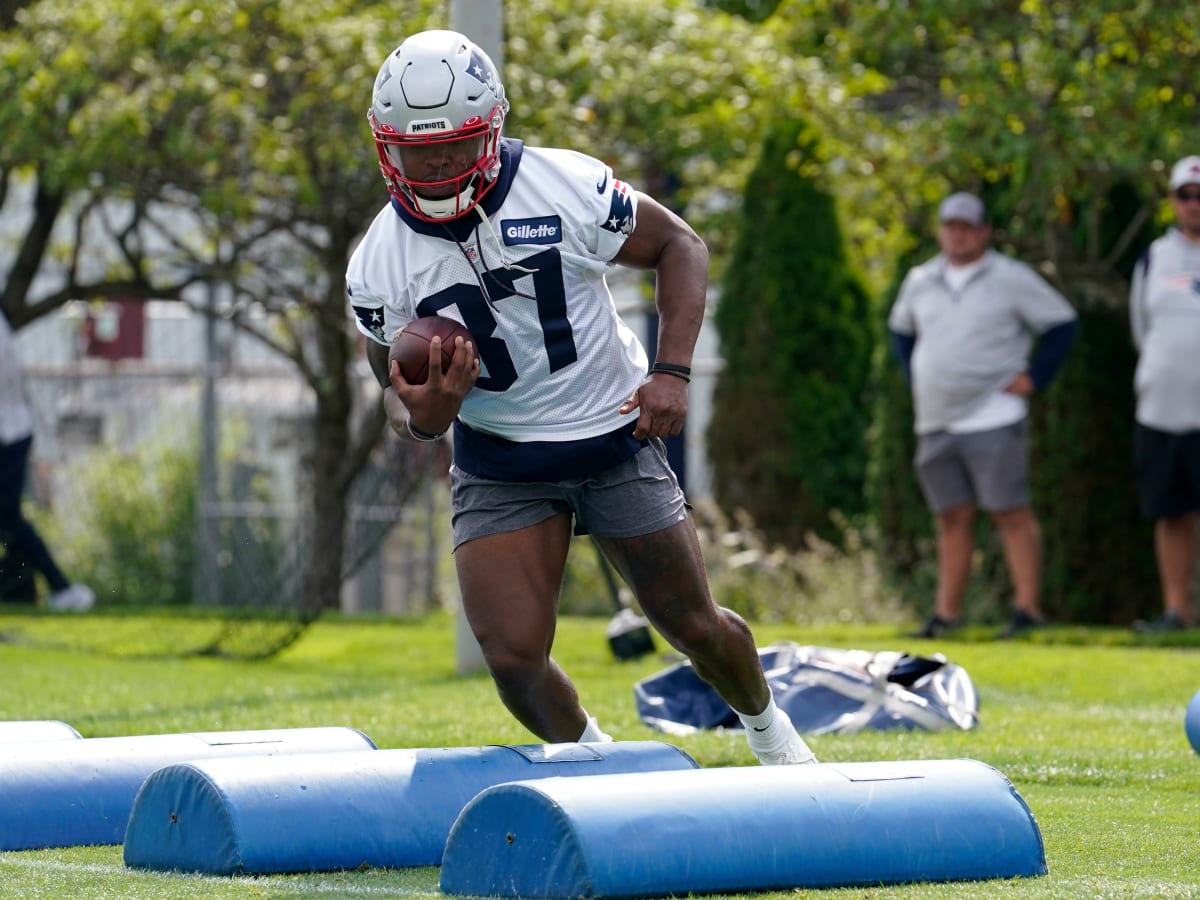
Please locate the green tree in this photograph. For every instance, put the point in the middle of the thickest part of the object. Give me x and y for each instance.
(1065, 117)
(150, 146)
(675, 97)
(167, 143)
(1048, 106)
(753, 10)
(787, 436)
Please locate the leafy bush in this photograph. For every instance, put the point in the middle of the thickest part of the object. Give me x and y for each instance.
(821, 584)
(902, 526)
(586, 589)
(131, 534)
(1099, 553)
(763, 583)
(786, 438)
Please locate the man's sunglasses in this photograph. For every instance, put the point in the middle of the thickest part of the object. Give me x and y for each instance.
(1188, 196)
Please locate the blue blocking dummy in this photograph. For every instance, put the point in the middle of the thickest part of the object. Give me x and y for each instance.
(37, 730)
(389, 808)
(68, 793)
(742, 829)
(1191, 722)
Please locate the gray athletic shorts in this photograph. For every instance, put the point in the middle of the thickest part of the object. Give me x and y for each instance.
(638, 496)
(989, 469)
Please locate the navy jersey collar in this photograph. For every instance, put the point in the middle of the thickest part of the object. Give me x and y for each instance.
(460, 229)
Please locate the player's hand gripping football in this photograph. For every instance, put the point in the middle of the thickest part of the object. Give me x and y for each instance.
(663, 403)
(432, 406)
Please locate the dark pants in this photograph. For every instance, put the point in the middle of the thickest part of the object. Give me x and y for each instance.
(24, 547)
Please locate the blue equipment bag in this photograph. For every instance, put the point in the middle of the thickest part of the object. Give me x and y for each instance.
(824, 691)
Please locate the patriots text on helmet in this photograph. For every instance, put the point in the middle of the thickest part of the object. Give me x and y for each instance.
(429, 125)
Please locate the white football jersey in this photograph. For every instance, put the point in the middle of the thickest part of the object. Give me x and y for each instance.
(529, 283)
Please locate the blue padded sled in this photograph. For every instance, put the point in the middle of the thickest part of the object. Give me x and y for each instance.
(68, 793)
(390, 808)
(752, 828)
(37, 730)
(1191, 722)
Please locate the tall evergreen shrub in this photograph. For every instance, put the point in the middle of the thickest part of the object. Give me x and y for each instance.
(1099, 551)
(902, 523)
(787, 435)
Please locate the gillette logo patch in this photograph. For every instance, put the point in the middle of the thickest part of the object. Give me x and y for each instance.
(542, 230)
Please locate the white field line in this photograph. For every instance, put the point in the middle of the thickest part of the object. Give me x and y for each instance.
(44, 865)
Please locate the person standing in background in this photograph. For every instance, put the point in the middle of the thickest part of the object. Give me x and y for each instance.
(963, 327)
(1164, 311)
(19, 537)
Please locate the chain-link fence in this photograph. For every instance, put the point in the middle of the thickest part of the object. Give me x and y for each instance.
(169, 465)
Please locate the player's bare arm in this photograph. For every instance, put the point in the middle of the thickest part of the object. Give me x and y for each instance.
(662, 241)
(431, 407)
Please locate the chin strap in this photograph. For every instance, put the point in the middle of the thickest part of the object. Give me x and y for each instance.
(443, 209)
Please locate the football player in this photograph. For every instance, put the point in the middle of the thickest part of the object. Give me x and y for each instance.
(557, 419)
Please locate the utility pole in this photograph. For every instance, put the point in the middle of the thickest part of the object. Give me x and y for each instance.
(208, 571)
(483, 22)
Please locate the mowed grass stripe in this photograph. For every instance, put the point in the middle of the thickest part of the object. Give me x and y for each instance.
(330, 884)
(1090, 734)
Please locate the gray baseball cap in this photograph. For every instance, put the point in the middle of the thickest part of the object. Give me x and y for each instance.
(961, 207)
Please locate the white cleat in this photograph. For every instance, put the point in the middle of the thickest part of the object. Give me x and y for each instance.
(793, 753)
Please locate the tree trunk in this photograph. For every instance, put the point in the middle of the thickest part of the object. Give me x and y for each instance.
(331, 440)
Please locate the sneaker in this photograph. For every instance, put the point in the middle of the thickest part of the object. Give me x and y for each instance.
(75, 598)
(1168, 621)
(1021, 623)
(936, 627)
(592, 734)
(792, 751)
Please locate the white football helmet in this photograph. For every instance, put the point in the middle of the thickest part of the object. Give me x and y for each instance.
(436, 112)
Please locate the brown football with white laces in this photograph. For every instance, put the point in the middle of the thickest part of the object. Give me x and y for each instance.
(410, 346)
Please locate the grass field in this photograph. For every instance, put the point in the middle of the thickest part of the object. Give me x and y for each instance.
(1088, 725)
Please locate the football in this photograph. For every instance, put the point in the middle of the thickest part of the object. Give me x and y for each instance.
(410, 346)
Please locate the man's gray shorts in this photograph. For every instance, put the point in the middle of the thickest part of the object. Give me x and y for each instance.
(638, 496)
(989, 469)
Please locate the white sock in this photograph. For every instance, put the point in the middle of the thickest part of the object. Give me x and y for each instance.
(772, 732)
(762, 722)
(592, 733)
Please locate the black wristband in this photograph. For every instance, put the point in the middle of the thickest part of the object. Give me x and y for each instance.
(684, 372)
(423, 436)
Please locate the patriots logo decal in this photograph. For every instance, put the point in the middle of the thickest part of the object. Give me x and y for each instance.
(479, 69)
(371, 318)
(620, 209)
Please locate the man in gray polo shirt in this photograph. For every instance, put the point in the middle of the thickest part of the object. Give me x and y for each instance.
(1164, 308)
(963, 327)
